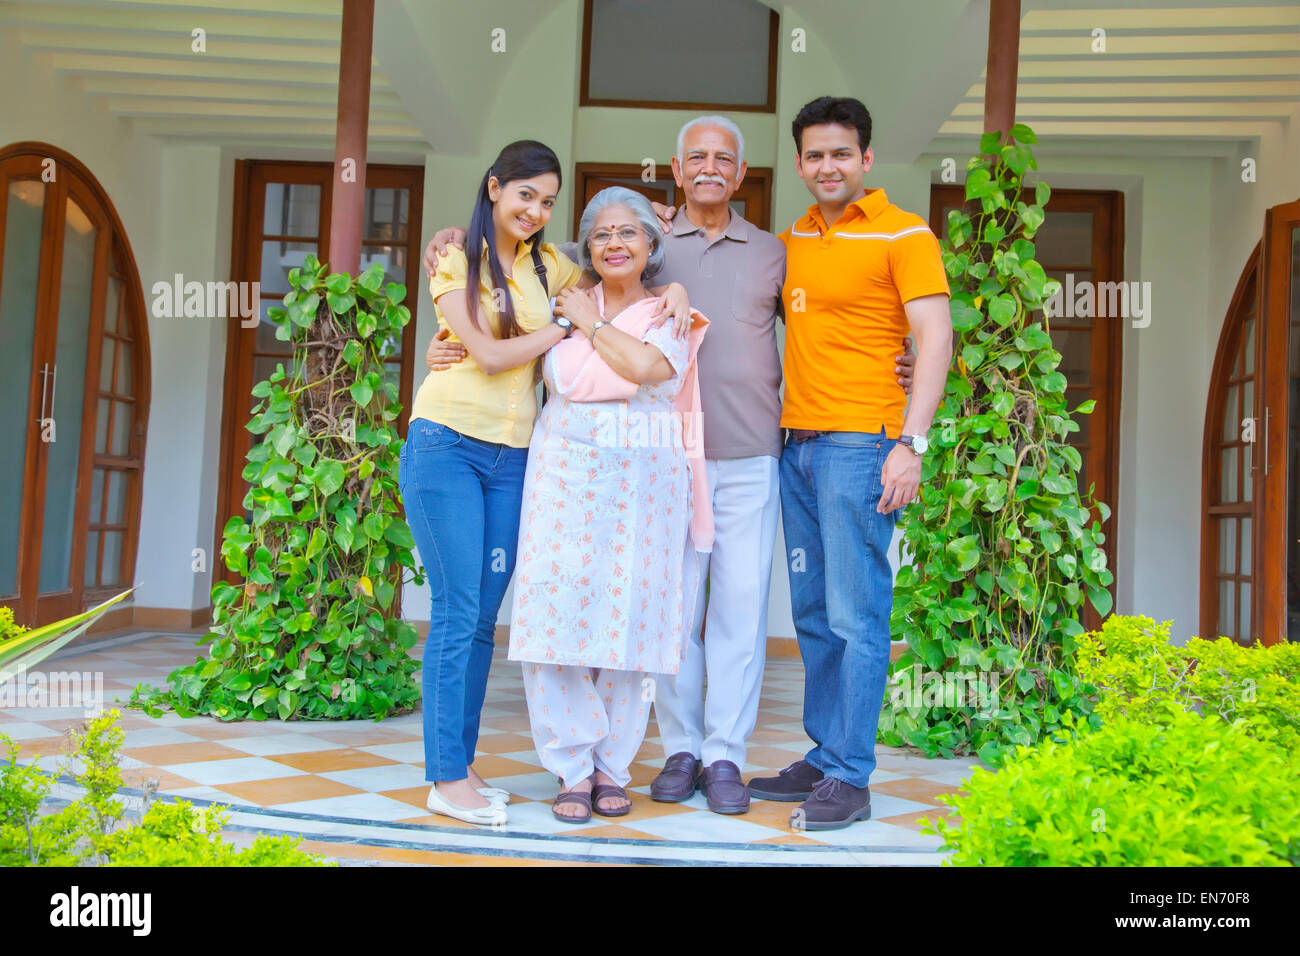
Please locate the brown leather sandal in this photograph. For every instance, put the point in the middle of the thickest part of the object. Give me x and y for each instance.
(602, 790)
(572, 796)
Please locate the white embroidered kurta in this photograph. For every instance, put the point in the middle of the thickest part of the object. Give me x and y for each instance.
(605, 571)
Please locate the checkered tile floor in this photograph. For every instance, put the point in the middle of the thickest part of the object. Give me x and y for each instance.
(356, 789)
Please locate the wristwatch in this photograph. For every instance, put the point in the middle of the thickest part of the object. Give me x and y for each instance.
(918, 443)
(563, 323)
(594, 329)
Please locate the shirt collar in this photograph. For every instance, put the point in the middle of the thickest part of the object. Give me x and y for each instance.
(682, 226)
(524, 251)
(868, 207)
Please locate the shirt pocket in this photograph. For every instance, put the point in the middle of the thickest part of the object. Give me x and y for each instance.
(753, 299)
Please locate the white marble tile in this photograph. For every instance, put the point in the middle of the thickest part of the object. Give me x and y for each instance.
(393, 776)
(233, 770)
(26, 730)
(356, 806)
(521, 756)
(271, 745)
(537, 817)
(408, 751)
(704, 825)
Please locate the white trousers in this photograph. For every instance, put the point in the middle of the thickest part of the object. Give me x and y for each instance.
(715, 725)
(586, 719)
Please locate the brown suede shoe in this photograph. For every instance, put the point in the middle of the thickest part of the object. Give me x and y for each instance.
(678, 780)
(723, 788)
(794, 784)
(834, 804)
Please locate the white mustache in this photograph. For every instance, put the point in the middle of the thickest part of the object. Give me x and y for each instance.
(706, 178)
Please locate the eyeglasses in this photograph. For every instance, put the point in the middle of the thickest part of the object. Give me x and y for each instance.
(626, 234)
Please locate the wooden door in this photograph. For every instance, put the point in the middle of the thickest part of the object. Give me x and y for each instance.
(1250, 555)
(69, 297)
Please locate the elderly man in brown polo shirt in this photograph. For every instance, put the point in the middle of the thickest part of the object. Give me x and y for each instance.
(733, 272)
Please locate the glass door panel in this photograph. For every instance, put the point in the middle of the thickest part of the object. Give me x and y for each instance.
(68, 391)
(20, 271)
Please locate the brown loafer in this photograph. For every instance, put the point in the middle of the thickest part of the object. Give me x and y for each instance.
(678, 780)
(723, 788)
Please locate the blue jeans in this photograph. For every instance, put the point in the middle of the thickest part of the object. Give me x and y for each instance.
(462, 499)
(841, 592)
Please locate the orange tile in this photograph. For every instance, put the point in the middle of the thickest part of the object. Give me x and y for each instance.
(615, 831)
(42, 746)
(912, 788)
(769, 813)
(163, 754)
(505, 743)
(792, 838)
(773, 758)
(268, 793)
(166, 781)
(415, 796)
(491, 766)
(210, 729)
(435, 819)
(326, 761)
(352, 851)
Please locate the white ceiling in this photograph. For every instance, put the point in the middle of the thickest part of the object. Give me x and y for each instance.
(1179, 71)
(1203, 75)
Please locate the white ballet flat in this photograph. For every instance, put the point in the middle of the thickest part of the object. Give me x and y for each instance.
(495, 794)
(493, 815)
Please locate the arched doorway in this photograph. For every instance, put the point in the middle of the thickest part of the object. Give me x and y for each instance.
(1228, 475)
(74, 355)
(1250, 533)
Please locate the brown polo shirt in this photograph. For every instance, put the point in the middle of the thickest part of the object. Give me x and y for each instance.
(735, 280)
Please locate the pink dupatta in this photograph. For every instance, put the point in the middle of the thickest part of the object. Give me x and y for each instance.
(581, 375)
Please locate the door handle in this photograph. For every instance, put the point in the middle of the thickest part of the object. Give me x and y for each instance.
(45, 386)
(1268, 414)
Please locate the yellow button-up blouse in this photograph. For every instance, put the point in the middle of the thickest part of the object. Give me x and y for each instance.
(497, 408)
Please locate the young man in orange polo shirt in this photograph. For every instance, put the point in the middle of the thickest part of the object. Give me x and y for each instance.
(860, 275)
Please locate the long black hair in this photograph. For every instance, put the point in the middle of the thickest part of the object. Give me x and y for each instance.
(519, 160)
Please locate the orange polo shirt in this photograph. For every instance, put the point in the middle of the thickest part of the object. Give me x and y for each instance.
(844, 292)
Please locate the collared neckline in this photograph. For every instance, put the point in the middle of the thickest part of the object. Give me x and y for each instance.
(869, 206)
(682, 225)
(524, 251)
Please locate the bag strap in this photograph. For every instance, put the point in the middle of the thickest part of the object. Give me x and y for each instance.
(540, 269)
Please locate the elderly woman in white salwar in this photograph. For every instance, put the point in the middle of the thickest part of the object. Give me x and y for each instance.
(607, 572)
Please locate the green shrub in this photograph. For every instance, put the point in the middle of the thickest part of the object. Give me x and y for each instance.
(1195, 763)
(86, 832)
(1189, 792)
(1136, 672)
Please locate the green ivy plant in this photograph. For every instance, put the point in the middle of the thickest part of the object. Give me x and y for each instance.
(1004, 548)
(313, 633)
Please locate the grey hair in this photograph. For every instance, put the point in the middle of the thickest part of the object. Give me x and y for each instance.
(720, 121)
(645, 215)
